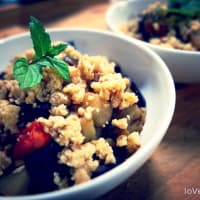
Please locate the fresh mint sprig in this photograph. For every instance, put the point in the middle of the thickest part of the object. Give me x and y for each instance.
(29, 74)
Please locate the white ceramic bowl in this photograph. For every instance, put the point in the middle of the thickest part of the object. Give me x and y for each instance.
(184, 65)
(145, 68)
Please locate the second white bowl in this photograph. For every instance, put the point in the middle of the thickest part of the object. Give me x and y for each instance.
(151, 76)
(184, 65)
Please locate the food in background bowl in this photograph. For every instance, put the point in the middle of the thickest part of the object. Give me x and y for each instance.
(140, 64)
(173, 25)
(183, 64)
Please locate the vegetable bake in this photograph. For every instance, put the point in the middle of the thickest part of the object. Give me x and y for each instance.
(175, 24)
(65, 117)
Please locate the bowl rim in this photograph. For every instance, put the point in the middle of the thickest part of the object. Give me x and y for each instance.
(141, 153)
(115, 29)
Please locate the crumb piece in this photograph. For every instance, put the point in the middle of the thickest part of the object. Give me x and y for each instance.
(72, 52)
(81, 111)
(76, 92)
(113, 87)
(60, 110)
(92, 67)
(75, 75)
(9, 89)
(58, 98)
(104, 151)
(128, 99)
(78, 156)
(64, 130)
(133, 142)
(81, 159)
(121, 141)
(120, 123)
(81, 175)
(9, 116)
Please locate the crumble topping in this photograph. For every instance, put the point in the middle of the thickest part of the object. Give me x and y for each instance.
(79, 112)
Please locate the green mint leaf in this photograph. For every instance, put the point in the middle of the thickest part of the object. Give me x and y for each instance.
(55, 50)
(44, 62)
(41, 39)
(182, 12)
(193, 6)
(28, 75)
(185, 7)
(60, 66)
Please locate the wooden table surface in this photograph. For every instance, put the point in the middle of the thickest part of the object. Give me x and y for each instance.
(173, 171)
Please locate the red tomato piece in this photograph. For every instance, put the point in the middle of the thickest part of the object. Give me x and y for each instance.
(30, 139)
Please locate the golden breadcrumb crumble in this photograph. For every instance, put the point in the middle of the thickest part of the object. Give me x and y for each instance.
(80, 111)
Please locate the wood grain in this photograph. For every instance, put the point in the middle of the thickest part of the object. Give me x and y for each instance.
(175, 165)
